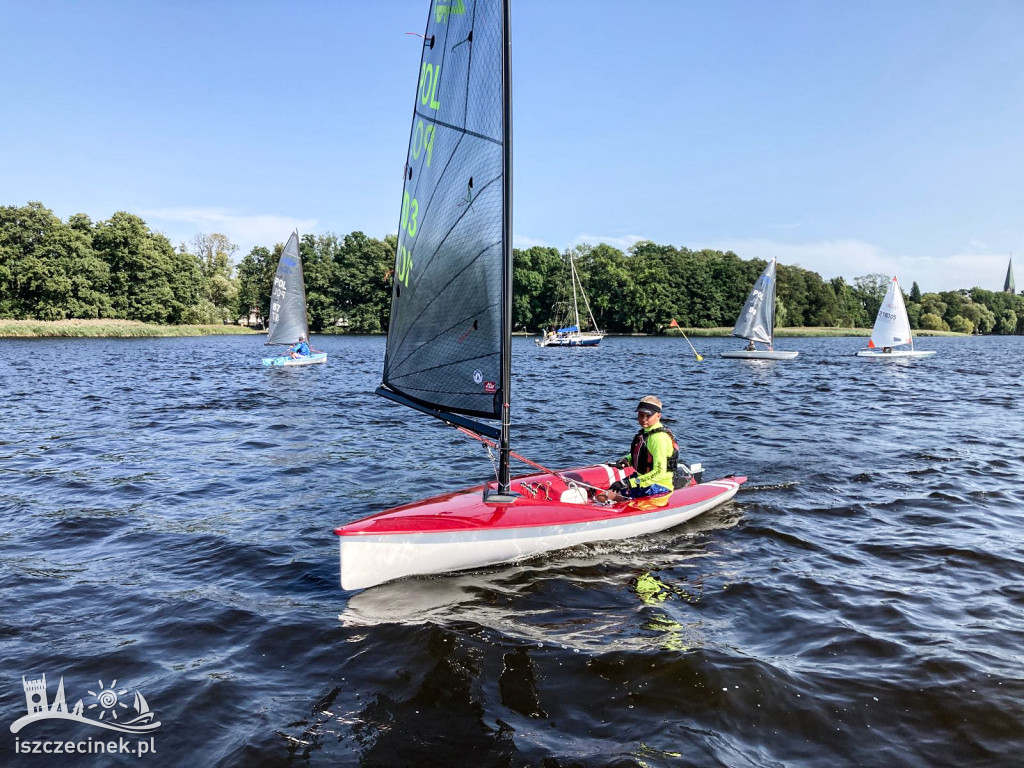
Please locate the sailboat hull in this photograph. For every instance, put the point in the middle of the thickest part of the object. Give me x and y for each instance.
(576, 340)
(464, 530)
(880, 355)
(760, 354)
(281, 360)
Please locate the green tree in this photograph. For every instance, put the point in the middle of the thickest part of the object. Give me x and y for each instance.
(321, 276)
(609, 284)
(870, 290)
(363, 273)
(1007, 322)
(850, 311)
(981, 317)
(48, 270)
(219, 289)
(150, 281)
(932, 322)
(536, 273)
(255, 280)
(961, 324)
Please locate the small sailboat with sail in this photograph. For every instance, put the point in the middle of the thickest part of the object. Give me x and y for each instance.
(572, 335)
(756, 322)
(449, 340)
(892, 329)
(288, 324)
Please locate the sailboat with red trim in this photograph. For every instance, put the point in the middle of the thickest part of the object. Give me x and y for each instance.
(449, 339)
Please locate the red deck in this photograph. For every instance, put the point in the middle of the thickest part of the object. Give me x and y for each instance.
(537, 506)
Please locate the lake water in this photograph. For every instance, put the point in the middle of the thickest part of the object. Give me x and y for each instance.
(167, 522)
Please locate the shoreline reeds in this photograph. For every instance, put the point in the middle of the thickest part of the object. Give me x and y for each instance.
(22, 329)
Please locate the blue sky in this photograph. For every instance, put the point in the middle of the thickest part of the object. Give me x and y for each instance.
(846, 137)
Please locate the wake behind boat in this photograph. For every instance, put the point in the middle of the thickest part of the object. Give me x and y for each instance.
(450, 336)
(288, 324)
(892, 329)
(756, 322)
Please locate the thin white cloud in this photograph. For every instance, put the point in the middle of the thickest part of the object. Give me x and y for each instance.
(180, 225)
(523, 242)
(622, 242)
(853, 258)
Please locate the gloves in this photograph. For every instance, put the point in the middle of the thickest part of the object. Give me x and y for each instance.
(621, 464)
(619, 486)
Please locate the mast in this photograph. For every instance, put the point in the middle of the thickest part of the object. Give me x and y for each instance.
(899, 292)
(775, 278)
(504, 479)
(575, 301)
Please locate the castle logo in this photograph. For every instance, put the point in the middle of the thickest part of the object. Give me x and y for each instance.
(106, 710)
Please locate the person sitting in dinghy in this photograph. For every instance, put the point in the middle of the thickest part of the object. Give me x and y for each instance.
(301, 349)
(654, 456)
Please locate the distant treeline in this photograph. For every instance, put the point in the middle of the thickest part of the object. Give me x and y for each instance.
(121, 269)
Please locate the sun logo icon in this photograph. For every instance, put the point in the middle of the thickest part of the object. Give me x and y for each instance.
(106, 699)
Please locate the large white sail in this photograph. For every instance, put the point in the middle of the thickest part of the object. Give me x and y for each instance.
(892, 326)
(757, 318)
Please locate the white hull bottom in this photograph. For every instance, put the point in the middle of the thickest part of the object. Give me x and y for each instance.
(318, 357)
(760, 354)
(877, 353)
(368, 560)
(573, 340)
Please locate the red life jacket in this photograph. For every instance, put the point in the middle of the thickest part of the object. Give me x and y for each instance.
(643, 462)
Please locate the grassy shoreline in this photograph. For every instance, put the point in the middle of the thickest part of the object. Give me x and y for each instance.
(28, 329)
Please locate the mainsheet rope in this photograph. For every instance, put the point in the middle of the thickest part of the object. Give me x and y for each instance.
(491, 444)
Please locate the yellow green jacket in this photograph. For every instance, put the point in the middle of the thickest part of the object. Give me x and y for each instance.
(660, 447)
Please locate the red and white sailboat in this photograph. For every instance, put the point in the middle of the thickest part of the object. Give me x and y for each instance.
(449, 339)
(892, 329)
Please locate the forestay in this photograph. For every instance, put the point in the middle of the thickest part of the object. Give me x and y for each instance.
(757, 318)
(892, 326)
(288, 298)
(444, 347)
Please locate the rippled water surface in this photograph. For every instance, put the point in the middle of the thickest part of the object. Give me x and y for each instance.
(167, 517)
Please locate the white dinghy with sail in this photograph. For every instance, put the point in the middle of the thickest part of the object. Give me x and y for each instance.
(892, 329)
(756, 322)
(572, 334)
(449, 340)
(288, 324)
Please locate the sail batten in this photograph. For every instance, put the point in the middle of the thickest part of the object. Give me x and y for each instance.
(459, 271)
(288, 298)
(454, 127)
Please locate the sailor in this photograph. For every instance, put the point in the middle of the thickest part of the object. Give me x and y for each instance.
(301, 349)
(654, 456)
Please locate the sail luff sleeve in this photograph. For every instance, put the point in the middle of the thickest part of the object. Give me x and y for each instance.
(504, 479)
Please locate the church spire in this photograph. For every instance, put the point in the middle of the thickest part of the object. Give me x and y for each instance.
(1008, 286)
